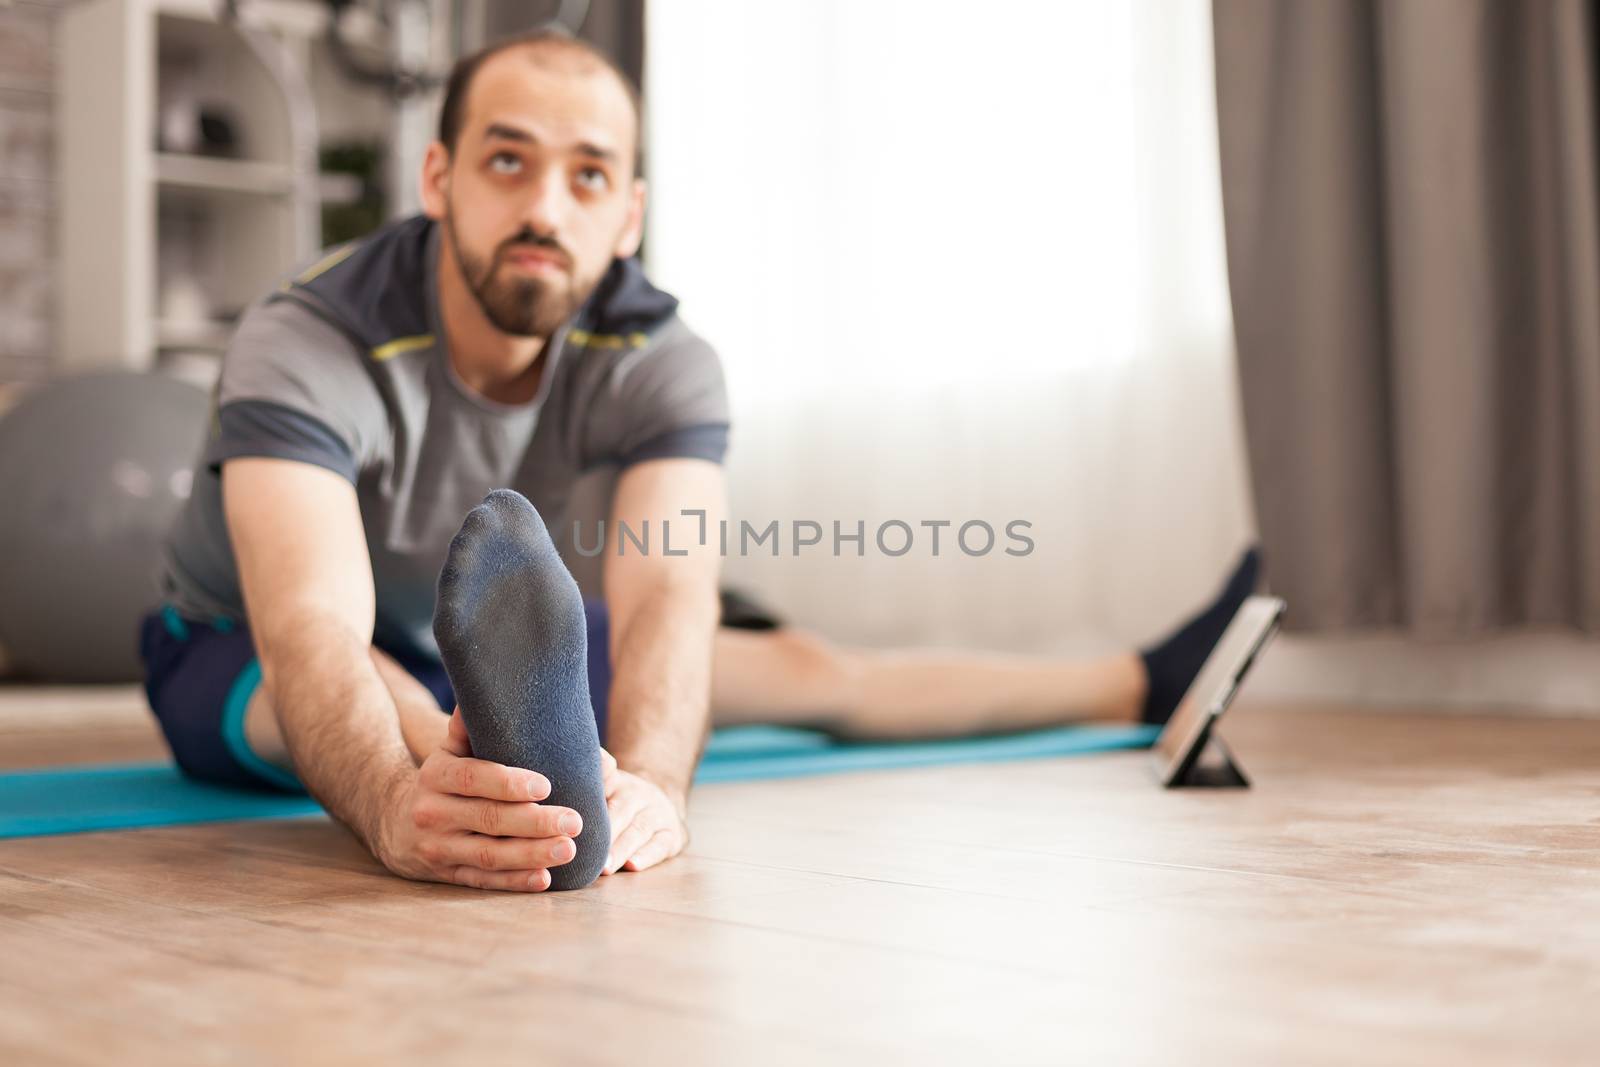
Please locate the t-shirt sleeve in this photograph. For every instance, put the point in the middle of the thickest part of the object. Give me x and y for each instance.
(294, 387)
(668, 401)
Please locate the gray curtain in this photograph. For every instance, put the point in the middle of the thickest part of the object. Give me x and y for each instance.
(1411, 197)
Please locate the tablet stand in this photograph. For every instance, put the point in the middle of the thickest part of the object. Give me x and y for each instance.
(1210, 765)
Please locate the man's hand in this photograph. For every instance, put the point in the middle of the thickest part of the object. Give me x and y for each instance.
(476, 823)
(647, 825)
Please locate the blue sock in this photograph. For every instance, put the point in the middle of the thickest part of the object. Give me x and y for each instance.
(1172, 665)
(514, 640)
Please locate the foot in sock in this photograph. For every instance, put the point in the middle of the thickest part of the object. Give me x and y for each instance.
(1172, 665)
(512, 634)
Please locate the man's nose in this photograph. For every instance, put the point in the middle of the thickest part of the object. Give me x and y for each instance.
(548, 204)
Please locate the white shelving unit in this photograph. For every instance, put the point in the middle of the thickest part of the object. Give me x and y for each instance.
(160, 249)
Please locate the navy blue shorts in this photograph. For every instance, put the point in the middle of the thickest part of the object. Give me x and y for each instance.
(200, 676)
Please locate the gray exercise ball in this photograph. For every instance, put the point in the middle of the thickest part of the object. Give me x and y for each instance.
(93, 471)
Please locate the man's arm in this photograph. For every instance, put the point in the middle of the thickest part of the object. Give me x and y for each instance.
(664, 611)
(307, 581)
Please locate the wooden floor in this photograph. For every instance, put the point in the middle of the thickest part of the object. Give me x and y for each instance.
(1397, 888)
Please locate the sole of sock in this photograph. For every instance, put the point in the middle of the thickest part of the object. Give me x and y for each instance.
(511, 630)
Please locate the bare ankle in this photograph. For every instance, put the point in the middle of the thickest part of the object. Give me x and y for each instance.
(1138, 687)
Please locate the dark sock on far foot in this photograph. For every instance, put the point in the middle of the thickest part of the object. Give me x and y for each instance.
(511, 630)
(1172, 665)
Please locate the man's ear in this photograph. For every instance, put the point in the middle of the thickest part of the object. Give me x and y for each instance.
(633, 230)
(434, 181)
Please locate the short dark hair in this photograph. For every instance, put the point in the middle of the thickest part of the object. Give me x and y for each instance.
(452, 113)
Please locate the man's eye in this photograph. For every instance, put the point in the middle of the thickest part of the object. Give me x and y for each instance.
(498, 156)
(593, 179)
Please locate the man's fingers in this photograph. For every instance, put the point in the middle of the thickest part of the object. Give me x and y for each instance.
(510, 881)
(622, 807)
(608, 771)
(502, 853)
(496, 817)
(455, 737)
(626, 844)
(662, 845)
(469, 777)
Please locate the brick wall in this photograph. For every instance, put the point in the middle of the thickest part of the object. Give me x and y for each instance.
(27, 187)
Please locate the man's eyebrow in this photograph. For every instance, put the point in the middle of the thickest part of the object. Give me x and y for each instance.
(597, 152)
(511, 133)
(508, 133)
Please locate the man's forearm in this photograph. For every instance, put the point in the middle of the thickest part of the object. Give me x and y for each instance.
(338, 720)
(660, 698)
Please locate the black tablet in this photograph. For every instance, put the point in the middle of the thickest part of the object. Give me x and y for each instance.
(1179, 749)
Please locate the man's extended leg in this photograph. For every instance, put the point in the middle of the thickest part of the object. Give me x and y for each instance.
(789, 676)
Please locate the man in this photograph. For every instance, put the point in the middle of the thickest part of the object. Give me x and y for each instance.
(506, 338)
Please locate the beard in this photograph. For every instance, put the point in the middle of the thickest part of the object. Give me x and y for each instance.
(521, 306)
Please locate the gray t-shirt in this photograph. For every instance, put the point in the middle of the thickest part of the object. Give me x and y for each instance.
(344, 366)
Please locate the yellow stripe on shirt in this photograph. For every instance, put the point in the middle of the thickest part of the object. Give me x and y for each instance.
(585, 339)
(328, 262)
(390, 349)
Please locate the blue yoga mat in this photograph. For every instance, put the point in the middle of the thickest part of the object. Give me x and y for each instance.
(66, 800)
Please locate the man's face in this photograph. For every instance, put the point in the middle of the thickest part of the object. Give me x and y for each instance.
(540, 193)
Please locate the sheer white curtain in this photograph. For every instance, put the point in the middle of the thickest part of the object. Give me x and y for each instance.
(962, 261)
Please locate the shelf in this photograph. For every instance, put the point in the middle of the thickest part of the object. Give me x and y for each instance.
(246, 176)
